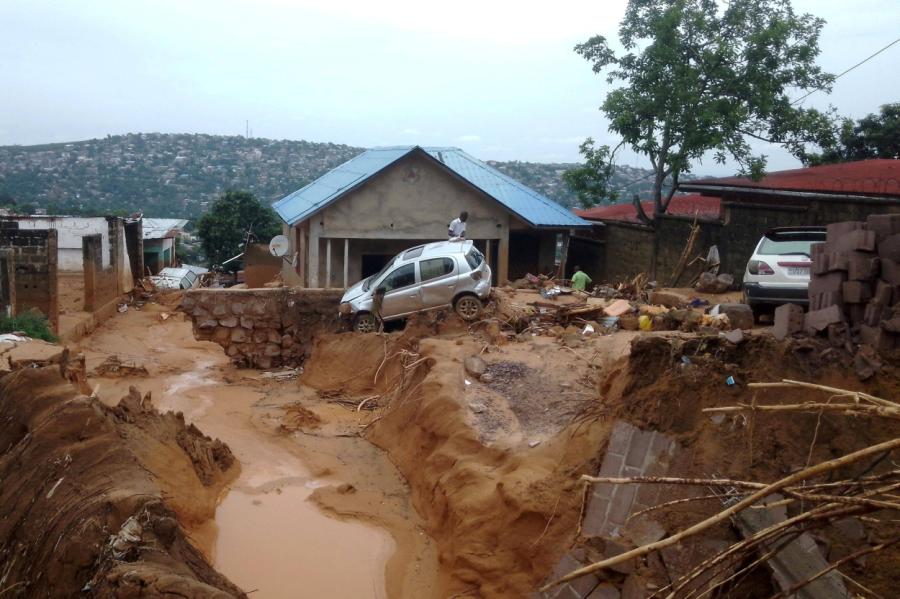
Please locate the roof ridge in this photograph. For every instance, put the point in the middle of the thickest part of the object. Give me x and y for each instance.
(522, 187)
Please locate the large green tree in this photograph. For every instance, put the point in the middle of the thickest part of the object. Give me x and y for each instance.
(700, 77)
(233, 220)
(874, 136)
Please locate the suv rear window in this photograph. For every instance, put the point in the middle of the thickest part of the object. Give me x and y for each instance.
(774, 247)
(474, 258)
(434, 268)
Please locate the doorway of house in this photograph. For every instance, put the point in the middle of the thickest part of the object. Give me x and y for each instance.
(372, 263)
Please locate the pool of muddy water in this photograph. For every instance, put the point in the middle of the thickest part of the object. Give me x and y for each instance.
(267, 538)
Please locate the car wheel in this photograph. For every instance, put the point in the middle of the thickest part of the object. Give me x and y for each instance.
(468, 307)
(365, 323)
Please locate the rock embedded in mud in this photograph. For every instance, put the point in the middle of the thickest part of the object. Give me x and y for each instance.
(229, 321)
(475, 366)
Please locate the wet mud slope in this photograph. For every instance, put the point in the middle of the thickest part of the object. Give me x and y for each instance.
(93, 498)
(500, 506)
(664, 387)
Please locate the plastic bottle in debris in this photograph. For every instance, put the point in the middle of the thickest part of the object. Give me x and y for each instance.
(644, 323)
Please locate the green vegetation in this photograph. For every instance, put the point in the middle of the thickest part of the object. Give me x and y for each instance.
(874, 136)
(235, 219)
(701, 77)
(175, 175)
(32, 323)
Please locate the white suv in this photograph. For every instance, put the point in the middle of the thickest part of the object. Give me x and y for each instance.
(426, 277)
(778, 270)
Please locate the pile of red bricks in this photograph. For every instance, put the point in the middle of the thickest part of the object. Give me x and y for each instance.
(855, 284)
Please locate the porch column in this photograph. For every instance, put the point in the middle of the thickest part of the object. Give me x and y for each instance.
(301, 255)
(328, 263)
(346, 262)
(487, 253)
(503, 258)
(313, 260)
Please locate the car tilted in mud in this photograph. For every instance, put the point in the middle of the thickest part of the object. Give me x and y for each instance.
(425, 277)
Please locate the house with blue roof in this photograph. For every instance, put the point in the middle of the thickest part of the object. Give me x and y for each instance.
(348, 223)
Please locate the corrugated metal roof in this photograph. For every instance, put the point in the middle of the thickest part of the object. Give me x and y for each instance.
(527, 204)
(158, 228)
(863, 177)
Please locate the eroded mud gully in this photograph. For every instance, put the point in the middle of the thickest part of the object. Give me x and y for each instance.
(267, 535)
(429, 463)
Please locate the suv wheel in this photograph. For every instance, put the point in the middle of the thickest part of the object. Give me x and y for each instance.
(468, 307)
(365, 323)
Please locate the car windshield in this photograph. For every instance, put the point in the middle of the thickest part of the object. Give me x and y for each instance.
(368, 282)
(774, 247)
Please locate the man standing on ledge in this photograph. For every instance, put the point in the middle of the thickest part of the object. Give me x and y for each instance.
(580, 280)
(457, 228)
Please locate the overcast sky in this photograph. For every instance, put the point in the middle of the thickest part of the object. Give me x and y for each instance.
(498, 79)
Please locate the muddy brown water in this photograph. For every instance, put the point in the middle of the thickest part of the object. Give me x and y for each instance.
(267, 537)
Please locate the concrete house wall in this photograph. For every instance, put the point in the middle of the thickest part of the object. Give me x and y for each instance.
(70, 230)
(410, 202)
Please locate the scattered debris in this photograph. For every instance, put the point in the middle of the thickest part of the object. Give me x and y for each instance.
(114, 366)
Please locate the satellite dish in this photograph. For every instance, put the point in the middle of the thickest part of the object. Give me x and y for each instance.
(279, 245)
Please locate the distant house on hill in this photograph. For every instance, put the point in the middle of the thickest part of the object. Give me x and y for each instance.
(348, 223)
(159, 242)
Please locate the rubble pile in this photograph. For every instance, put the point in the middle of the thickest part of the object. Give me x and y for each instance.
(854, 287)
(664, 310)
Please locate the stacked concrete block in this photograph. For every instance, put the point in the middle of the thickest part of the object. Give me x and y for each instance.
(855, 282)
(262, 328)
(788, 320)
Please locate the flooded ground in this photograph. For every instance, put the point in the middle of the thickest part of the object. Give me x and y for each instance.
(268, 537)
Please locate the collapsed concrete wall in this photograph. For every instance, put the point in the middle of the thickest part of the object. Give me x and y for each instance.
(34, 255)
(101, 285)
(262, 328)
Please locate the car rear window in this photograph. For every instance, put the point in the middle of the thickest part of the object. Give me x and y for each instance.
(773, 247)
(413, 252)
(434, 268)
(474, 258)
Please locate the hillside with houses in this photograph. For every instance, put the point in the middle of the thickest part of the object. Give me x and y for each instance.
(180, 174)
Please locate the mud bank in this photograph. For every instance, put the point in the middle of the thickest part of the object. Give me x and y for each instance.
(660, 395)
(317, 512)
(89, 494)
(500, 508)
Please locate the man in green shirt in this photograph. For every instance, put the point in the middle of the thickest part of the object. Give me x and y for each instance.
(580, 280)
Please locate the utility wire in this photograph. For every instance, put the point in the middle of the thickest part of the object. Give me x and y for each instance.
(860, 63)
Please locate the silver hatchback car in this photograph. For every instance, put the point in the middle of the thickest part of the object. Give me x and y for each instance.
(425, 277)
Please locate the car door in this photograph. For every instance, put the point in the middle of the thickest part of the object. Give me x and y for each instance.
(438, 278)
(401, 294)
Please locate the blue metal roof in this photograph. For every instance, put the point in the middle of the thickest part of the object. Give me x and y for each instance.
(532, 207)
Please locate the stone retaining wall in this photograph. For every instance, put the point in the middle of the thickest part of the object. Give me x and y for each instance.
(263, 328)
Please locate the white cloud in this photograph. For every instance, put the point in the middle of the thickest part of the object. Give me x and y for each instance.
(471, 137)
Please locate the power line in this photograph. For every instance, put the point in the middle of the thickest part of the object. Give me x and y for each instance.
(860, 63)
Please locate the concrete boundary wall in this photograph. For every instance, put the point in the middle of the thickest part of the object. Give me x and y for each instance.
(101, 285)
(34, 254)
(263, 328)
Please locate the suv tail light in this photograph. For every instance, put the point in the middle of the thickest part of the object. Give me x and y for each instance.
(758, 267)
(476, 274)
